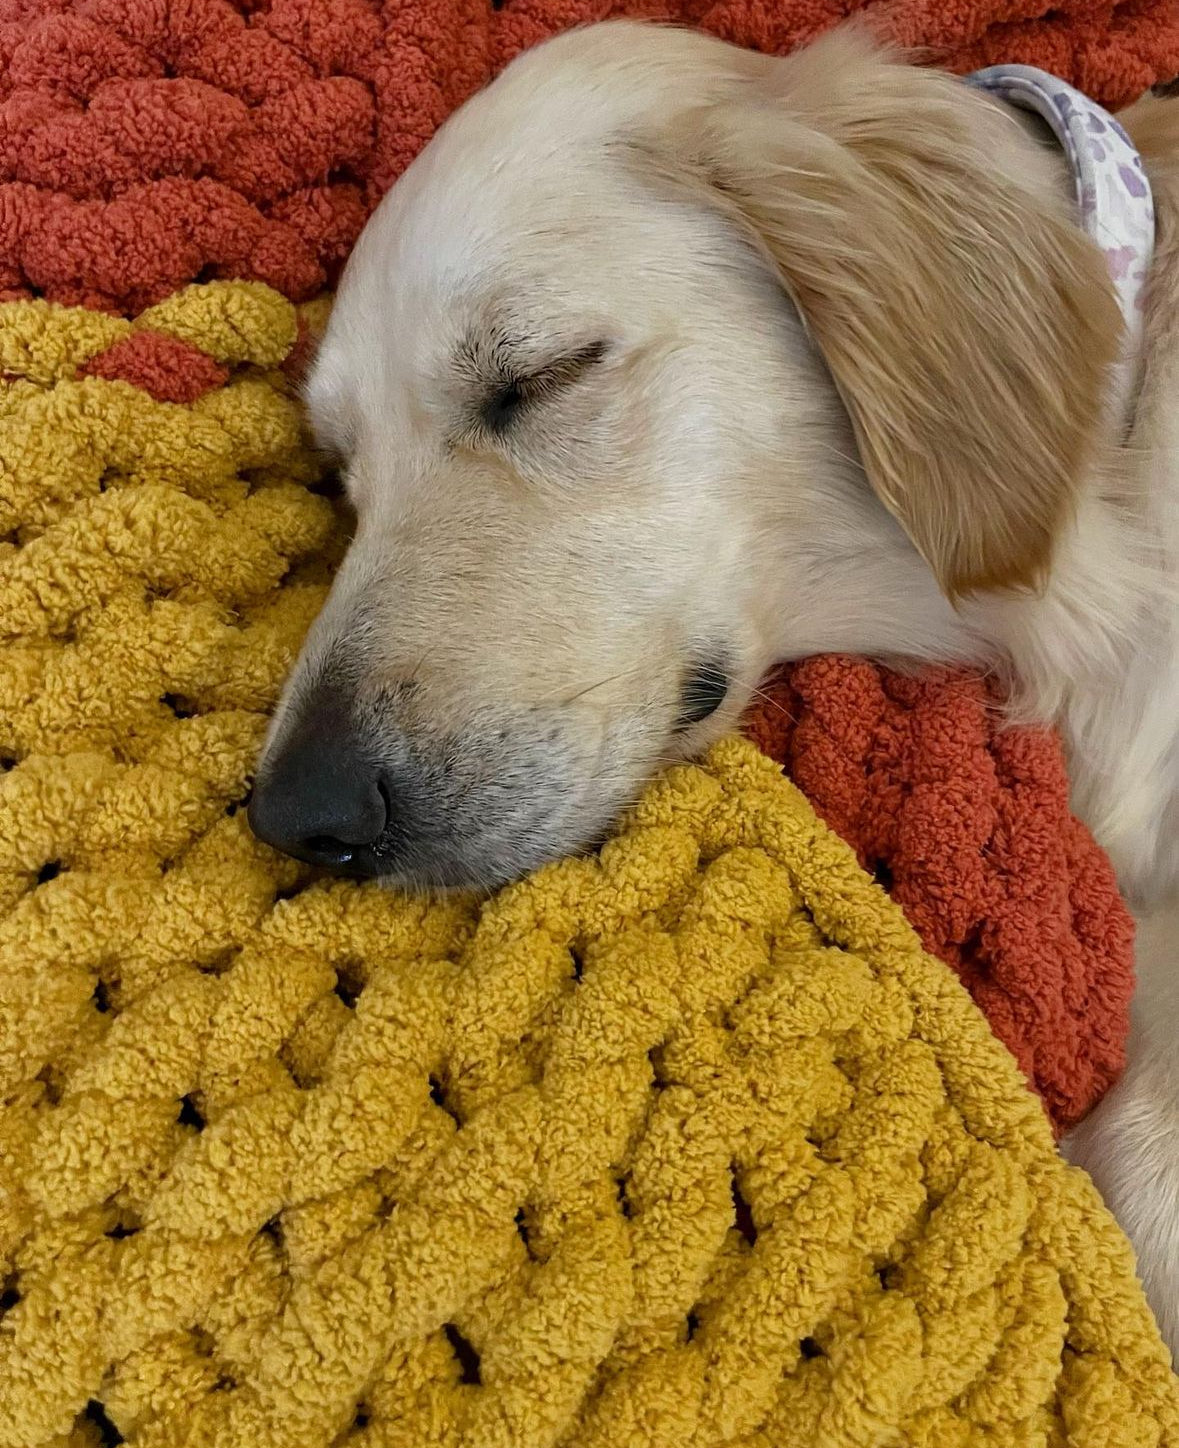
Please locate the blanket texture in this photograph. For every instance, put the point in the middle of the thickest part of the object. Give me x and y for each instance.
(967, 823)
(143, 635)
(144, 145)
(688, 1144)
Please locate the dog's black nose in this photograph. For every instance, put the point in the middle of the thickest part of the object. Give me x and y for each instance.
(319, 798)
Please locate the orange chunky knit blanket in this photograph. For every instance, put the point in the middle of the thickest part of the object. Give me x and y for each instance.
(144, 146)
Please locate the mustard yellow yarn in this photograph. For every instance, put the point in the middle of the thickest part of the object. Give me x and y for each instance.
(684, 1146)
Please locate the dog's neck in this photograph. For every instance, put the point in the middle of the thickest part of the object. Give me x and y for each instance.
(1095, 652)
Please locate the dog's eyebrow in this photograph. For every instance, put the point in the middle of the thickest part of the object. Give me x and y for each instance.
(498, 352)
(514, 353)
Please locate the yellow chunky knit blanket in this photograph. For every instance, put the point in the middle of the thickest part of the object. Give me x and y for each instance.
(687, 1145)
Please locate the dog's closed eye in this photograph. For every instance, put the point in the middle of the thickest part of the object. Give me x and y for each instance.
(517, 393)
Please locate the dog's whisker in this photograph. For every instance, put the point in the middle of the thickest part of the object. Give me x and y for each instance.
(601, 684)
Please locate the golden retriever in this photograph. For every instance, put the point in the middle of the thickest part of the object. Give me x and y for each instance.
(665, 361)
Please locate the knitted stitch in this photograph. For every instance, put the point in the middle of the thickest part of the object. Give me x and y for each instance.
(150, 596)
(688, 1145)
(144, 145)
(967, 823)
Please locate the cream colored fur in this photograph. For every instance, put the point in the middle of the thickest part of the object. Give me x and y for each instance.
(796, 342)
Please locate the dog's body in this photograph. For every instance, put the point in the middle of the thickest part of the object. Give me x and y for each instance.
(666, 361)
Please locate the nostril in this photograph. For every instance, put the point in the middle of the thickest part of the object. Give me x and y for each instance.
(334, 852)
(354, 828)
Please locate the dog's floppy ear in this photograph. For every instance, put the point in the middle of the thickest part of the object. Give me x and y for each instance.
(968, 323)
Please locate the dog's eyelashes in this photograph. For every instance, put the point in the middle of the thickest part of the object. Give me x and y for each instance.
(515, 394)
(585, 357)
(703, 692)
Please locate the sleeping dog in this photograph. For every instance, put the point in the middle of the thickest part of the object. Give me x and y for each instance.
(666, 361)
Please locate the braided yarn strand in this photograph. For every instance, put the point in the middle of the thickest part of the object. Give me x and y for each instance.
(686, 1145)
(692, 1145)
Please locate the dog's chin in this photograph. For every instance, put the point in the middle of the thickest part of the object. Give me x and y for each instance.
(482, 871)
(505, 851)
(504, 848)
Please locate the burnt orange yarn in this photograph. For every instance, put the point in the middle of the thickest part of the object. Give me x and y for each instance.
(144, 146)
(968, 825)
(170, 369)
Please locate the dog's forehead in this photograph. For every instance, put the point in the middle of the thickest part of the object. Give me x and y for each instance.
(585, 84)
(525, 153)
(528, 191)
(504, 169)
(456, 261)
(477, 216)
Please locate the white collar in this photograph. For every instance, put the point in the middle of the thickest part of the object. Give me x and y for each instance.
(1114, 202)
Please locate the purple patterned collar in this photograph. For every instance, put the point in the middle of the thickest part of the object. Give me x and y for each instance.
(1113, 194)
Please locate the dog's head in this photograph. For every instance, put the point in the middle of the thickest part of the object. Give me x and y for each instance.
(662, 361)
